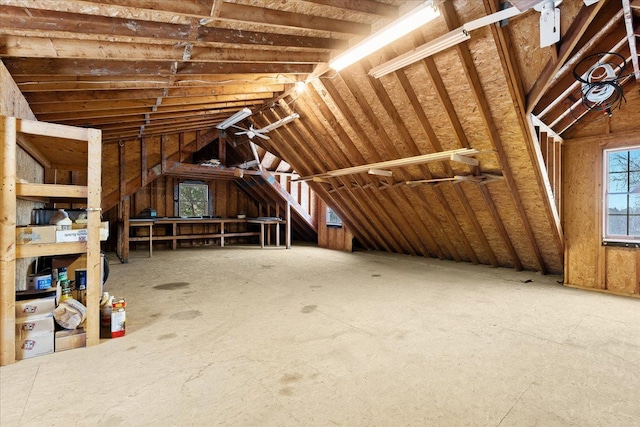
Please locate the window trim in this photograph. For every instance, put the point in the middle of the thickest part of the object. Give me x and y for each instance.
(613, 240)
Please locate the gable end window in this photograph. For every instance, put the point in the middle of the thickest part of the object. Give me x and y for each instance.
(193, 200)
(333, 220)
(622, 195)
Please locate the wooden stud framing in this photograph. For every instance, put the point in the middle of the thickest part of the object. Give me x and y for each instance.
(7, 240)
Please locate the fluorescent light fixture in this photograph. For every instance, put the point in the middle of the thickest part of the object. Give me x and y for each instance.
(441, 43)
(434, 46)
(416, 18)
(240, 115)
(283, 121)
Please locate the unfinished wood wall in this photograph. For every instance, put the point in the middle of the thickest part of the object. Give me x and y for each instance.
(331, 237)
(587, 263)
(228, 199)
(12, 103)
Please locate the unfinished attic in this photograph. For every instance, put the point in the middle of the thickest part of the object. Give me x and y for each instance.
(202, 147)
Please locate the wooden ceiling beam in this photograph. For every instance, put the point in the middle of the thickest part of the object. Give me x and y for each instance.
(86, 67)
(491, 128)
(183, 85)
(369, 7)
(174, 96)
(568, 43)
(362, 213)
(281, 18)
(308, 162)
(221, 108)
(355, 156)
(369, 208)
(175, 104)
(409, 141)
(50, 47)
(77, 26)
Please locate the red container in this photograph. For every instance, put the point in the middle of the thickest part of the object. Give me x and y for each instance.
(118, 317)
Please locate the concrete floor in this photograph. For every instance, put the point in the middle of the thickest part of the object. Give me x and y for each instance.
(311, 337)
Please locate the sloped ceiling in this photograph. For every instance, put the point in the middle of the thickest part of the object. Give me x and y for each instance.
(144, 68)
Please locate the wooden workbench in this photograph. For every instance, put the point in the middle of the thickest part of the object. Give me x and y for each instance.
(176, 229)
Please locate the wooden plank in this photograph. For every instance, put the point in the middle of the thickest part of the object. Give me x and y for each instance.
(8, 157)
(51, 190)
(50, 249)
(407, 161)
(370, 7)
(287, 218)
(50, 47)
(52, 130)
(282, 18)
(94, 214)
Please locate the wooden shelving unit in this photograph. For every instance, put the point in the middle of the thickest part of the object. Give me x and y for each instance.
(66, 148)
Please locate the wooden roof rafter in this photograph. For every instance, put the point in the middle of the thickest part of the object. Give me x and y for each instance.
(490, 126)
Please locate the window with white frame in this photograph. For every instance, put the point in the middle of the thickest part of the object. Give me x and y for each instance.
(622, 195)
(332, 218)
(193, 199)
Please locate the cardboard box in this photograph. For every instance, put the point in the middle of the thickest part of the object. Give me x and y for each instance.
(30, 308)
(69, 339)
(36, 234)
(64, 236)
(34, 337)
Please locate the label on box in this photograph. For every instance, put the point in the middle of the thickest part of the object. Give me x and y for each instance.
(26, 328)
(79, 235)
(36, 234)
(35, 307)
(34, 345)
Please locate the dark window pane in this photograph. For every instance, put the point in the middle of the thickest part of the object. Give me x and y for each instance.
(617, 204)
(617, 225)
(618, 161)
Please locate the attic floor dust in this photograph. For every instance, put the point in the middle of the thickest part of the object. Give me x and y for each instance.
(326, 338)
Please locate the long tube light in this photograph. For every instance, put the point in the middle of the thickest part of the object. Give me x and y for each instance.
(240, 115)
(441, 43)
(434, 46)
(400, 27)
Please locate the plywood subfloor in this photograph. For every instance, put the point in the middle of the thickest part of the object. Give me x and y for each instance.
(312, 337)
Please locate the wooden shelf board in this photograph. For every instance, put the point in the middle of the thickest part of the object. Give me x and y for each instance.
(50, 249)
(51, 190)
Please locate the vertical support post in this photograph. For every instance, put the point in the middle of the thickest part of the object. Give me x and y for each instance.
(163, 154)
(222, 148)
(7, 240)
(123, 206)
(288, 225)
(143, 163)
(94, 199)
